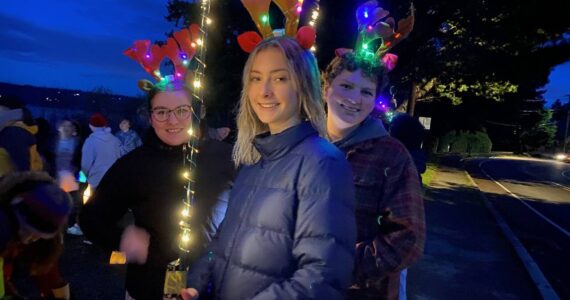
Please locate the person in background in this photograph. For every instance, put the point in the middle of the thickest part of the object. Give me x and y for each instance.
(8, 116)
(389, 205)
(33, 214)
(17, 136)
(67, 156)
(100, 150)
(128, 137)
(411, 133)
(20, 154)
(43, 141)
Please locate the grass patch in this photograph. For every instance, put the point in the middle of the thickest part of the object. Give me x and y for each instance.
(428, 175)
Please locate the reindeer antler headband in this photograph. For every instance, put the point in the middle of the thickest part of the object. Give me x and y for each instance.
(374, 24)
(259, 12)
(180, 49)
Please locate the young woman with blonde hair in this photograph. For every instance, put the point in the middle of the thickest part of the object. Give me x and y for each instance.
(289, 230)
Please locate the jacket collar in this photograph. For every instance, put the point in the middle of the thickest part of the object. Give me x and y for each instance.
(274, 146)
(370, 128)
(152, 141)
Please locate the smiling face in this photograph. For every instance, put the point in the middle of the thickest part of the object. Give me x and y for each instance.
(350, 99)
(172, 131)
(271, 91)
(125, 125)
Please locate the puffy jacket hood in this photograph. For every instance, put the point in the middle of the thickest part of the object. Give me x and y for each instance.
(102, 133)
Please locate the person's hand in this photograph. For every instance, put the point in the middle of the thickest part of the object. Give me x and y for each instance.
(134, 243)
(189, 294)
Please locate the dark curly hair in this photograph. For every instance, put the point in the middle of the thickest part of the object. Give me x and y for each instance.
(372, 69)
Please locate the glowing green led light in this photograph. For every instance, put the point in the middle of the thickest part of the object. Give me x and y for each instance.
(265, 18)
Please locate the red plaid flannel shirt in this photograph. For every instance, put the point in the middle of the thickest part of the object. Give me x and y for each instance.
(389, 211)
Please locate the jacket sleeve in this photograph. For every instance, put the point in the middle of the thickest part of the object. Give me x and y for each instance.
(100, 216)
(401, 237)
(17, 142)
(325, 233)
(138, 141)
(87, 157)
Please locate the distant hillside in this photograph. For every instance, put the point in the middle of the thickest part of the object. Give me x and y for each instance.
(55, 104)
(67, 99)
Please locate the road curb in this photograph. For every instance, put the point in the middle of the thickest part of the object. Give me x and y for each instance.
(538, 278)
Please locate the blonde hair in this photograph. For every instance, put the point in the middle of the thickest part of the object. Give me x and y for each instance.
(306, 82)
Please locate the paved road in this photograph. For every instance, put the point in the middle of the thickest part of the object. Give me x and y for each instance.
(533, 196)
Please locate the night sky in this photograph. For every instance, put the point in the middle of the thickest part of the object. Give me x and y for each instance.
(78, 44)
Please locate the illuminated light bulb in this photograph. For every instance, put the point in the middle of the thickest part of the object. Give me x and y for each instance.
(183, 56)
(185, 62)
(156, 73)
(366, 14)
(312, 23)
(147, 56)
(197, 84)
(199, 42)
(315, 15)
(369, 28)
(365, 46)
(87, 194)
(186, 175)
(397, 35)
(190, 131)
(264, 18)
(181, 223)
(185, 238)
(299, 9)
(314, 49)
(178, 75)
(186, 212)
(193, 45)
(208, 21)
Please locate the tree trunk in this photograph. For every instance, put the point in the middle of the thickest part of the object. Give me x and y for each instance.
(413, 98)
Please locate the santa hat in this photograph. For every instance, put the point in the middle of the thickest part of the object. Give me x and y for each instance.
(98, 120)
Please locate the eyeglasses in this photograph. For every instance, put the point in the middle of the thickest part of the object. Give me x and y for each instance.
(162, 114)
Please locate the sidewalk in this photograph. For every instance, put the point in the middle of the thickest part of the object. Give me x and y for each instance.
(466, 256)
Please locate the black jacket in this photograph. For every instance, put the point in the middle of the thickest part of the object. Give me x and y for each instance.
(148, 181)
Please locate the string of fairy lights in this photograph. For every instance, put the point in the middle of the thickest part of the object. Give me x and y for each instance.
(190, 149)
(314, 20)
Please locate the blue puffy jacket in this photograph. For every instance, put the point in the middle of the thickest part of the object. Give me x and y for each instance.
(289, 231)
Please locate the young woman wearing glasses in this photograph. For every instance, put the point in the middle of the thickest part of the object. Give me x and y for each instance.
(149, 182)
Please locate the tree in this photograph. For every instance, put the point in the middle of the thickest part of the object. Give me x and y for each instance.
(542, 135)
